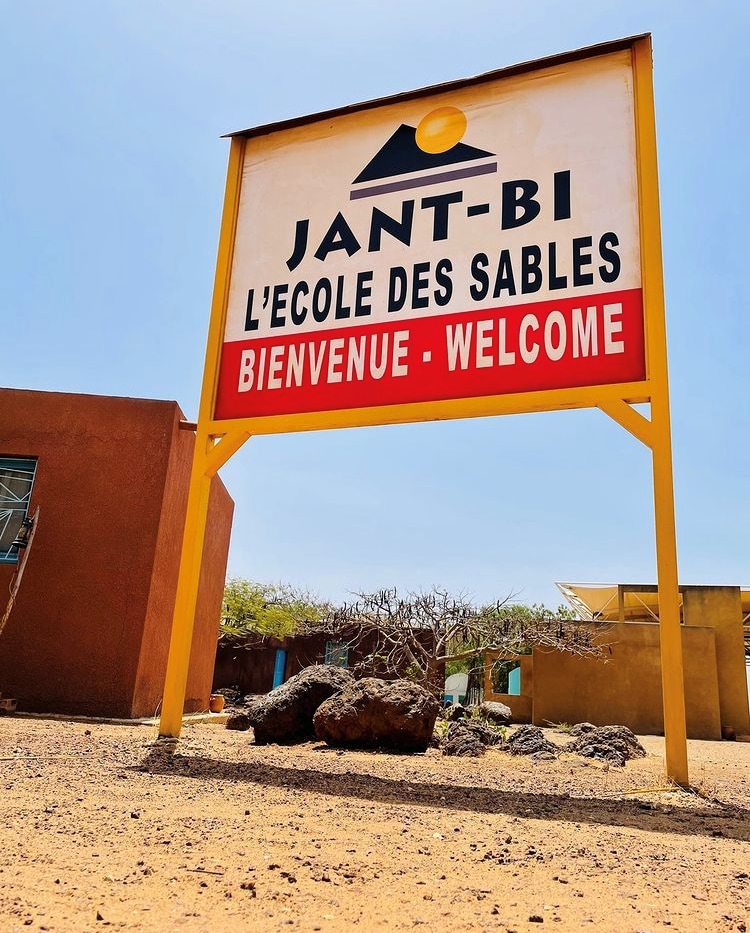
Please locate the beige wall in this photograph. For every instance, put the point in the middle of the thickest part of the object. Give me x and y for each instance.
(721, 608)
(626, 688)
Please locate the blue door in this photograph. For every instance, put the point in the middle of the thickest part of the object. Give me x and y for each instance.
(279, 668)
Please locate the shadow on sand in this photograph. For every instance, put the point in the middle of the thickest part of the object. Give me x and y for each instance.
(718, 820)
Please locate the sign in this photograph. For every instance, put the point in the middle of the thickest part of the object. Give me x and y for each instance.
(460, 243)
(490, 246)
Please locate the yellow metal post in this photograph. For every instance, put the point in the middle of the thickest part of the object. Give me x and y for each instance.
(670, 634)
(207, 458)
(186, 598)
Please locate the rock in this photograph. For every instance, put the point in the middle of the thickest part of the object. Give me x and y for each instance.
(463, 743)
(498, 713)
(528, 740)
(454, 713)
(542, 756)
(580, 728)
(239, 722)
(370, 713)
(286, 714)
(232, 695)
(615, 744)
(485, 733)
(470, 739)
(728, 734)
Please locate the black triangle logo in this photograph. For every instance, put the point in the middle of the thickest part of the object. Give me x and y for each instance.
(401, 155)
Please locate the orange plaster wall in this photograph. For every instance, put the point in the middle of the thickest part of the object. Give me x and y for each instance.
(155, 645)
(97, 589)
(210, 598)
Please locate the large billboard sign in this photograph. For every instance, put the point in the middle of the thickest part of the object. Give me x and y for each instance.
(484, 247)
(464, 242)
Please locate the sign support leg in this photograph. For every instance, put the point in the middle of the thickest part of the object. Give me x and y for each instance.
(208, 457)
(670, 632)
(187, 593)
(655, 434)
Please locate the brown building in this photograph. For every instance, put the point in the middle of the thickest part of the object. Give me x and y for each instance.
(625, 686)
(89, 631)
(266, 663)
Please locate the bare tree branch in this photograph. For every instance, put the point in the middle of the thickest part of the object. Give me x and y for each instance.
(425, 630)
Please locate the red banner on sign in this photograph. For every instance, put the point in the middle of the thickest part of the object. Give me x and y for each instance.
(596, 340)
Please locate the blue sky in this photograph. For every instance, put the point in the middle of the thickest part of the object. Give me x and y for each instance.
(111, 178)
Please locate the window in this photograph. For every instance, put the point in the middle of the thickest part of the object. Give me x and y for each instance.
(506, 677)
(337, 653)
(16, 482)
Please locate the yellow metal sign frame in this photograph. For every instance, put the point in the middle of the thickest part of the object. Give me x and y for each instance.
(217, 441)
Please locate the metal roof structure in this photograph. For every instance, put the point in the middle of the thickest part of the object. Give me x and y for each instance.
(630, 602)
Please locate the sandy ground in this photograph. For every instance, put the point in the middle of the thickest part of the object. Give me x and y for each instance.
(99, 829)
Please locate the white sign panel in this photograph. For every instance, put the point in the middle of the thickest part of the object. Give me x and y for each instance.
(472, 242)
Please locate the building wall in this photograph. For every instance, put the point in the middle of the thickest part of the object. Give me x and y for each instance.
(721, 608)
(89, 631)
(559, 687)
(251, 669)
(520, 705)
(155, 643)
(210, 599)
(626, 689)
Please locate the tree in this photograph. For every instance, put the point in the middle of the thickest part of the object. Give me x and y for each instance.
(422, 632)
(254, 610)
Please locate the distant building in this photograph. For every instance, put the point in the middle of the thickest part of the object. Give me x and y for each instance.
(625, 688)
(89, 631)
(263, 663)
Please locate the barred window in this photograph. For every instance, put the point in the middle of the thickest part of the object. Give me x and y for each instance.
(337, 653)
(16, 482)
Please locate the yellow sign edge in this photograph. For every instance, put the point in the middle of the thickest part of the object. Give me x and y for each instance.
(443, 410)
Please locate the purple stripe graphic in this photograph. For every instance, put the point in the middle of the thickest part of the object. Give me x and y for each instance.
(424, 180)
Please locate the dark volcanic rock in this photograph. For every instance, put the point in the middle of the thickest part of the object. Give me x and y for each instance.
(615, 744)
(581, 728)
(463, 743)
(486, 734)
(238, 722)
(454, 713)
(232, 695)
(470, 739)
(529, 740)
(286, 713)
(372, 712)
(498, 713)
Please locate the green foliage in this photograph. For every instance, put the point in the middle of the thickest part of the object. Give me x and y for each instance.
(414, 672)
(461, 666)
(265, 609)
(441, 728)
(519, 627)
(502, 731)
(565, 728)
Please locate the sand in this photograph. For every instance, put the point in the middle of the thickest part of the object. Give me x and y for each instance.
(100, 829)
